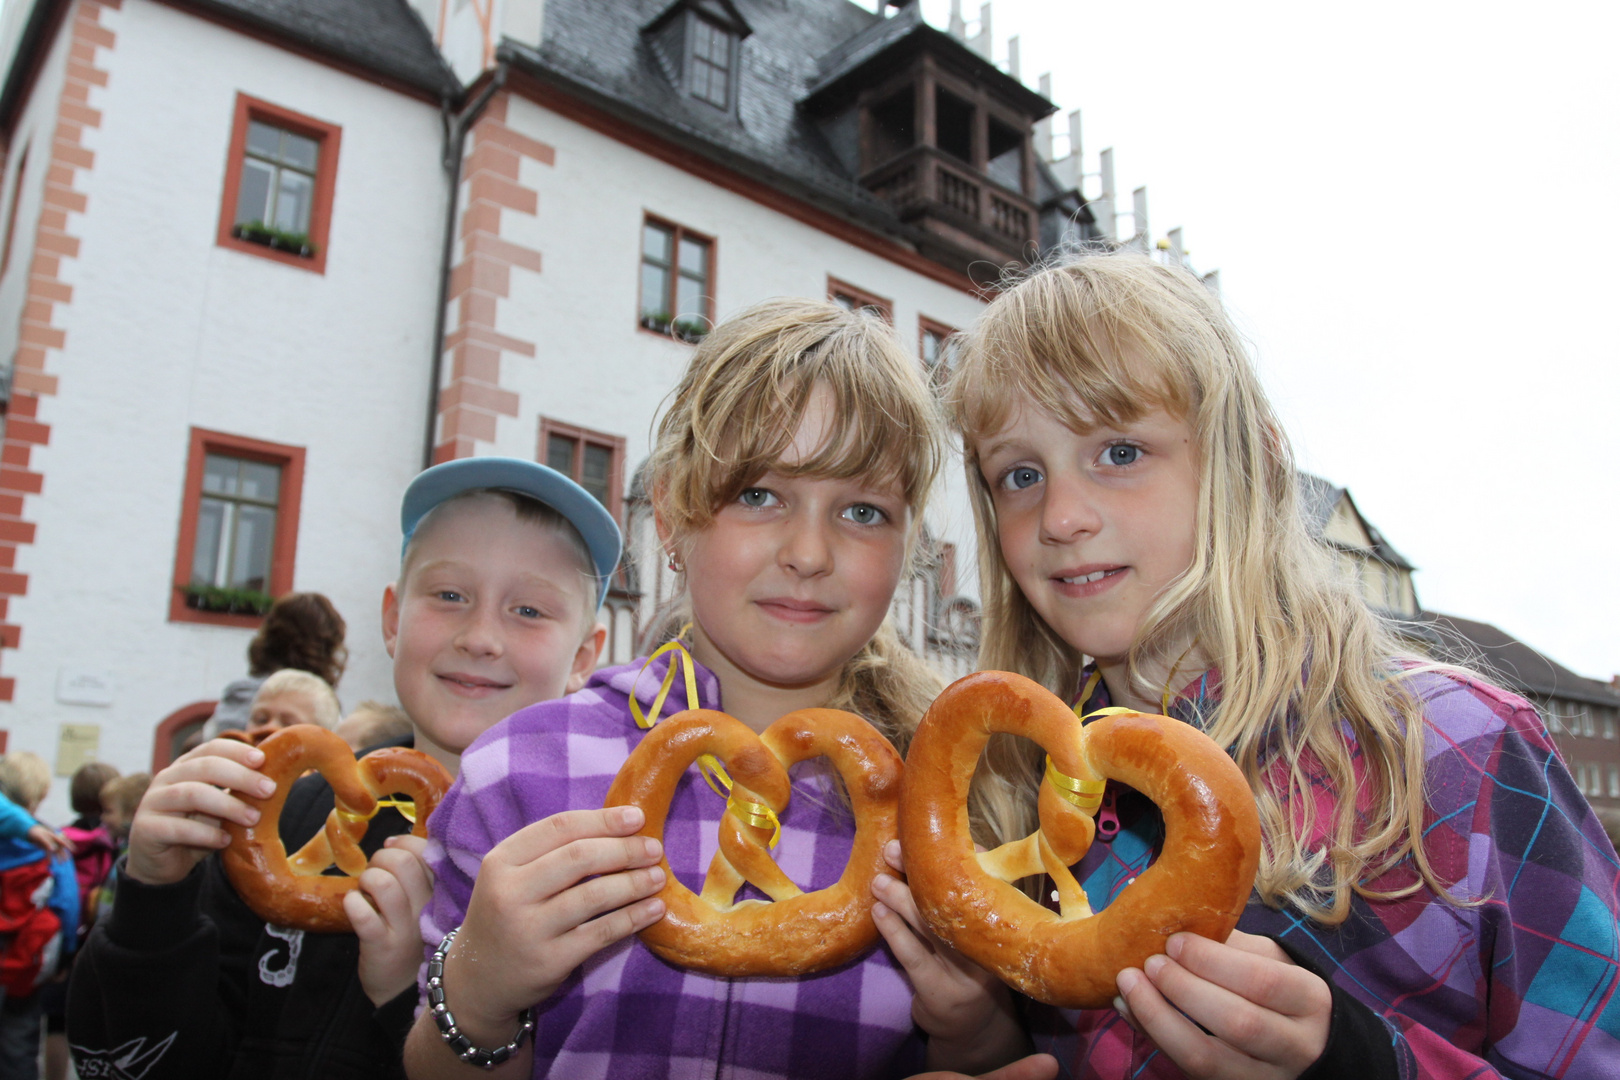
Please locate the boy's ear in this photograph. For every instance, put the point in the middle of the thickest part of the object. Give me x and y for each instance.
(590, 651)
(390, 617)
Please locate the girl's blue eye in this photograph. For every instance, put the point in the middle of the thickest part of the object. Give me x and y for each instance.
(864, 514)
(757, 498)
(528, 612)
(450, 595)
(1122, 454)
(1021, 478)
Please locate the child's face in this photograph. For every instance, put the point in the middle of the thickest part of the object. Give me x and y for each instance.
(489, 618)
(280, 711)
(114, 822)
(796, 574)
(1093, 527)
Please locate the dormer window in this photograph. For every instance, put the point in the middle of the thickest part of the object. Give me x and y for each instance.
(711, 64)
(698, 43)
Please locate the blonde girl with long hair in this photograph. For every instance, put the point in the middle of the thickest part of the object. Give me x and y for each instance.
(1435, 898)
(789, 479)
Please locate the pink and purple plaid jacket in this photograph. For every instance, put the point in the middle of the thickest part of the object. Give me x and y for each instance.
(1522, 985)
(625, 1013)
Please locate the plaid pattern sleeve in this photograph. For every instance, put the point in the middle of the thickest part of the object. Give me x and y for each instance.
(625, 1013)
(1518, 981)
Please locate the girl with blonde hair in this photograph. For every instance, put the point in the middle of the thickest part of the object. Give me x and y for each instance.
(789, 478)
(1434, 896)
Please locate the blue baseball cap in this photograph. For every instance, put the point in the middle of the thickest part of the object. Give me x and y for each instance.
(578, 506)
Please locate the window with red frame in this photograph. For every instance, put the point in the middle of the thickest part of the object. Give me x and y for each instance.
(279, 180)
(677, 280)
(591, 459)
(936, 344)
(851, 298)
(238, 528)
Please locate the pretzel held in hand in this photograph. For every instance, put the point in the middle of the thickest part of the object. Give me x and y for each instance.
(292, 890)
(800, 932)
(1199, 883)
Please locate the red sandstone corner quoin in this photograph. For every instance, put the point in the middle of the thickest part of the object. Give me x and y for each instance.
(47, 288)
(473, 398)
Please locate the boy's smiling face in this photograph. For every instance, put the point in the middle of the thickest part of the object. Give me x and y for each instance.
(491, 614)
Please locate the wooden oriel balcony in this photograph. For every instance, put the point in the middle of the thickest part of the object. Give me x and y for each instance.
(931, 188)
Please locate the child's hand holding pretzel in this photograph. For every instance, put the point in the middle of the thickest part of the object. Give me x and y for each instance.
(966, 1011)
(547, 898)
(1261, 1015)
(384, 911)
(178, 821)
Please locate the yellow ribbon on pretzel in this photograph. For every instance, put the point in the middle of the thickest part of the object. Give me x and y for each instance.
(406, 808)
(714, 773)
(1087, 795)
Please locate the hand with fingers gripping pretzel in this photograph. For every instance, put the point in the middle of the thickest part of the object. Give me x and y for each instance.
(1216, 1001)
(798, 932)
(1200, 882)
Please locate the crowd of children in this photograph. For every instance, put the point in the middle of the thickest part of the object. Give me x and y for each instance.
(1435, 898)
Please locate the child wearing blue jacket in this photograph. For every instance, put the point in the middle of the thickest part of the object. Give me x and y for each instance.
(39, 908)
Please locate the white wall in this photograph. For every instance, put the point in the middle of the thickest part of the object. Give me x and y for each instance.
(594, 367)
(167, 331)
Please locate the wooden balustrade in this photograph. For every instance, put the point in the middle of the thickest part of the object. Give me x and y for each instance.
(924, 183)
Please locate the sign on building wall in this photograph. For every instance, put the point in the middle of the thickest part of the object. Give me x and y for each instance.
(76, 745)
(84, 686)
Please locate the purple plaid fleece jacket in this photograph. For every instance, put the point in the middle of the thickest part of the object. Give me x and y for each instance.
(625, 1013)
(1522, 985)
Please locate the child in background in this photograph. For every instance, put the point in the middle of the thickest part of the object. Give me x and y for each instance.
(788, 481)
(374, 724)
(504, 567)
(39, 918)
(119, 798)
(93, 852)
(301, 631)
(93, 847)
(292, 697)
(1434, 898)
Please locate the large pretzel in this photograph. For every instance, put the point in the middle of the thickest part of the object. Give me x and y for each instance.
(1199, 883)
(294, 890)
(800, 932)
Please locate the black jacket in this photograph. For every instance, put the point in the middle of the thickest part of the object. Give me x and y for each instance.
(185, 981)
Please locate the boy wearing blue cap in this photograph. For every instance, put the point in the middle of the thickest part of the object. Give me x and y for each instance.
(505, 565)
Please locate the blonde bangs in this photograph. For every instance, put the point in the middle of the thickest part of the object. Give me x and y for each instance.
(1091, 349)
(738, 409)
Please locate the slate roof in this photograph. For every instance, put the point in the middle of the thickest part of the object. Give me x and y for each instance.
(596, 51)
(1516, 664)
(885, 34)
(384, 36)
(381, 36)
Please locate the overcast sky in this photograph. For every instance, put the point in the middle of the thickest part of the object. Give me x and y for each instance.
(1413, 207)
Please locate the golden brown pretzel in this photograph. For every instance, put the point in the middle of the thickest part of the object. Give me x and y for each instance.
(1199, 883)
(800, 932)
(292, 890)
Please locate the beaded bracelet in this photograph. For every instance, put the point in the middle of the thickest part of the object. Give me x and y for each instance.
(459, 1043)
